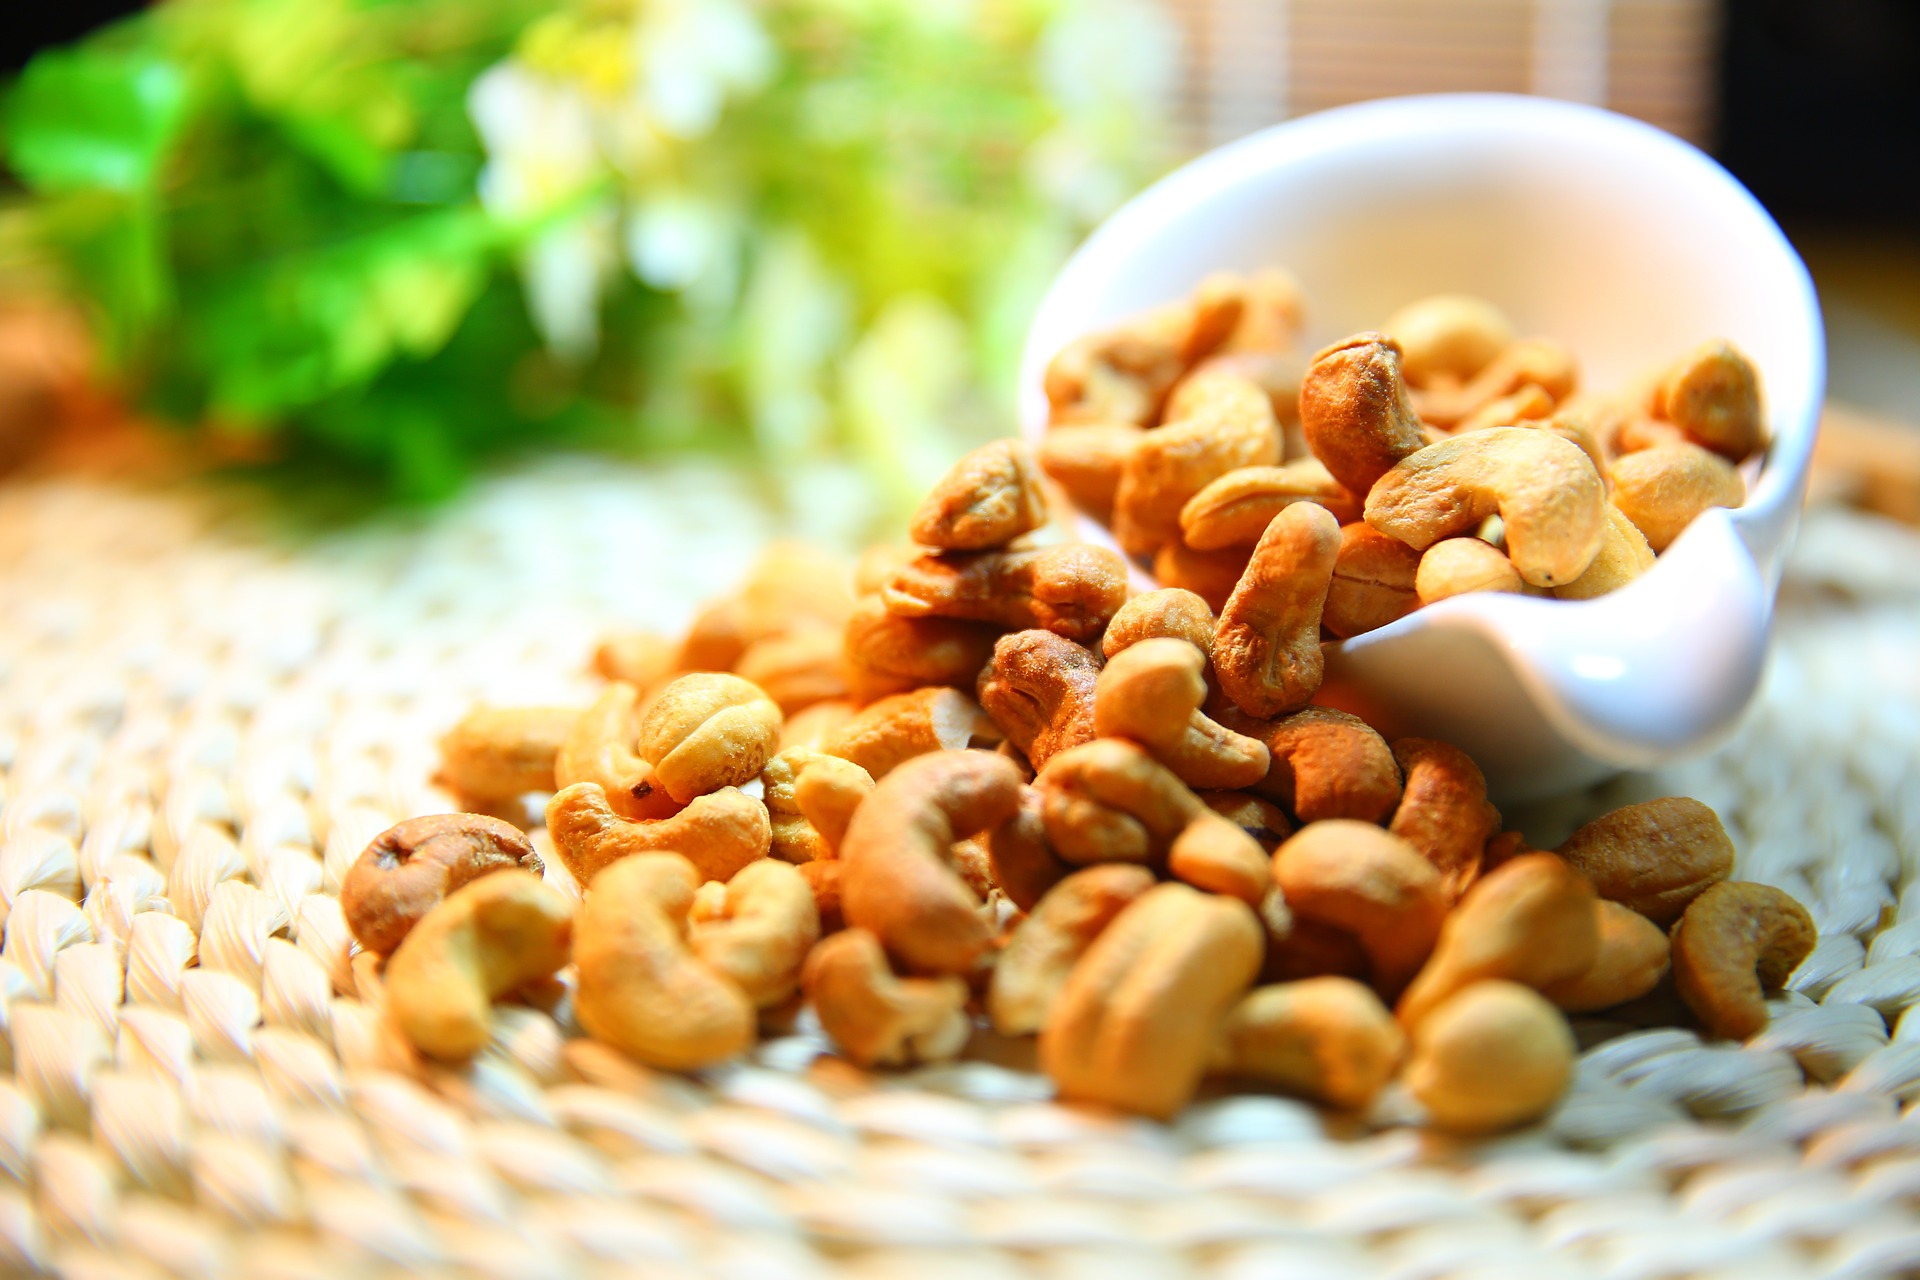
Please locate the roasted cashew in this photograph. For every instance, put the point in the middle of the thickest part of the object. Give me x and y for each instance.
(1169, 611)
(410, 868)
(1370, 883)
(1151, 693)
(876, 1018)
(812, 726)
(1624, 556)
(1664, 488)
(1532, 922)
(1713, 394)
(988, 498)
(1355, 410)
(1087, 460)
(642, 659)
(1133, 1024)
(1109, 801)
(1448, 337)
(1631, 960)
(1070, 590)
(798, 669)
(760, 933)
(1443, 810)
(1050, 941)
(828, 792)
(1260, 819)
(1266, 649)
(889, 732)
(499, 753)
(823, 878)
(885, 654)
(1529, 404)
(1124, 374)
(1329, 764)
(707, 731)
(1039, 689)
(794, 838)
(1023, 861)
(1736, 942)
(899, 882)
(719, 833)
(1211, 575)
(1372, 584)
(600, 750)
(642, 989)
(1654, 857)
(1218, 855)
(1461, 566)
(1216, 423)
(491, 937)
(1537, 362)
(1492, 1056)
(1544, 489)
(1234, 510)
(1329, 1039)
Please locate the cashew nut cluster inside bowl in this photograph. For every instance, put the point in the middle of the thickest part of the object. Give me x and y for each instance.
(1623, 247)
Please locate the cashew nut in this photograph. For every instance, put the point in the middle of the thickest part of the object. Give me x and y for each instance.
(1624, 556)
(1070, 590)
(886, 654)
(600, 750)
(1654, 857)
(1329, 764)
(1373, 582)
(899, 883)
(1124, 374)
(1448, 337)
(1532, 921)
(989, 498)
(1369, 883)
(1217, 855)
(486, 939)
(1492, 1056)
(499, 753)
(1050, 941)
(760, 933)
(798, 669)
(410, 868)
(1216, 422)
(1460, 566)
(794, 838)
(810, 727)
(1211, 575)
(1736, 942)
(642, 989)
(887, 733)
(708, 731)
(1537, 362)
(1170, 611)
(1024, 863)
(1544, 489)
(1260, 819)
(1236, 509)
(1714, 396)
(1266, 650)
(1087, 461)
(1664, 488)
(719, 833)
(1151, 694)
(1355, 410)
(1443, 810)
(876, 1018)
(639, 658)
(828, 792)
(1329, 1039)
(1039, 689)
(1631, 960)
(1132, 1026)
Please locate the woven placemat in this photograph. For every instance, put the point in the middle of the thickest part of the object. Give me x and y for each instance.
(205, 714)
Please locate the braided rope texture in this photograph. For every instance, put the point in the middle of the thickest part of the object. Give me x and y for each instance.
(206, 712)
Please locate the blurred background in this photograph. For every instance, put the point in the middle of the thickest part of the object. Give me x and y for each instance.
(389, 240)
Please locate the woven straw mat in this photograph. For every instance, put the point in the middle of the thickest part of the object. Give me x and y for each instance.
(205, 715)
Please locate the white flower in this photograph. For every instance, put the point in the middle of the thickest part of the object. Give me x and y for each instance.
(693, 55)
(685, 242)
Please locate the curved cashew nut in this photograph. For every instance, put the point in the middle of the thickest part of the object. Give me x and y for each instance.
(876, 1018)
(642, 659)
(1216, 854)
(1023, 861)
(1737, 941)
(642, 990)
(1170, 611)
(707, 731)
(1654, 857)
(1070, 590)
(1151, 693)
(1086, 460)
(1217, 422)
(1329, 1039)
(899, 882)
(1631, 960)
(1109, 801)
(759, 937)
(491, 937)
(794, 838)
(600, 750)
(1134, 1022)
(1355, 410)
(411, 867)
(1260, 819)
(1545, 489)
(1050, 941)
(1714, 396)
(1449, 337)
(1373, 582)
(988, 498)
(1329, 764)
(1266, 650)
(1663, 489)
(499, 753)
(1532, 921)
(828, 792)
(1624, 555)
(883, 653)
(1461, 566)
(797, 670)
(719, 833)
(1369, 883)
(1443, 810)
(1211, 575)
(1234, 510)
(1039, 689)
(887, 733)
(1123, 374)
(1490, 1057)
(1530, 362)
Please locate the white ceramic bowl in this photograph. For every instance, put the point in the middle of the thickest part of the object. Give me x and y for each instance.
(1608, 234)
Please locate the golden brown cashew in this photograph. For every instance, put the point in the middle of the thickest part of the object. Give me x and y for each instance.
(876, 1018)
(1133, 1024)
(1624, 556)
(823, 877)
(1545, 489)
(642, 659)
(1373, 582)
(1443, 810)
(1461, 566)
(1266, 650)
(1218, 855)
(1211, 575)
(828, 792)
(798, 669)
(1736, 942)
(1528, 404)
(794, 838)
(1124, 374)
(600, 750)
(1023, 861)
(1329, 764)
(1355, 410)
(1216, 422)
(1532, 921)
(759, 936)
(490, 937)
(1170, 611)
(1069, 590)
(410, 868)
(1537, 362)
(1630, 962)
(1664, 488)
(1150, 693)
(1109, 801)
(719, 833)
(1714, 396)
(1050, 941)
(498, 753)
(1260, 819)
(1367, 882)
(1328, 1039)
(887, 733)
(899, 882)
(1448, 337)
(1236, 509)
(708, 731)
(989, 498)
(886, 654)
(642, 990)
(1492, 1056)
(1039, 690)
(1087, 461)
(1654, 857)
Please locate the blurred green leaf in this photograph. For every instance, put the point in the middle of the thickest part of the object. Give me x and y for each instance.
(93, 117)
